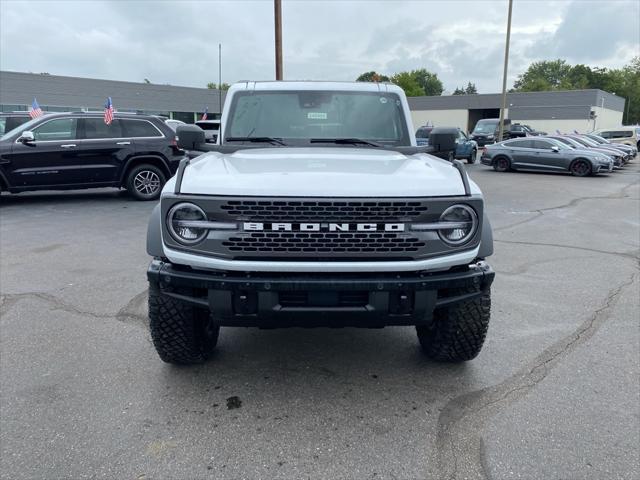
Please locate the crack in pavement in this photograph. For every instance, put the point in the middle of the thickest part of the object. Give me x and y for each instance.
(7, 301)
(10, 299)
(464, 417)
(129, 311)
(541, 211)
(633, 254)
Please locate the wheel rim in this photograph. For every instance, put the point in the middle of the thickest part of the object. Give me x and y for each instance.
(580, 168)
(502, 164)
(146, 182)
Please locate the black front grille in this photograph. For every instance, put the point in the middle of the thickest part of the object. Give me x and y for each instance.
(344, 211)
(321, 242)
(324, 299)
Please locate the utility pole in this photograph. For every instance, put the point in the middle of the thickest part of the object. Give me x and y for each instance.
(504, 74)
(277, 7)
(220, 79)
(628, 105)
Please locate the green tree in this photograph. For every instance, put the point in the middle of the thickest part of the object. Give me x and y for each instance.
(558, 75)
(428, 81)
(459, 91)
(471, 89)
(407, 81)
(214, 86)
(372, 76)
(546, 75)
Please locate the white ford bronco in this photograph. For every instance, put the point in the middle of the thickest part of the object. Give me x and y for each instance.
(316, 208)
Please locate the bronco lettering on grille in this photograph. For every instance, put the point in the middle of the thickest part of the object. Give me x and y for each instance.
(322, 227)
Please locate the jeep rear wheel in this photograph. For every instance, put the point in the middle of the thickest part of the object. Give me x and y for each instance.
(182, 334)
(457, 332)
(501, 164)
(145, 182)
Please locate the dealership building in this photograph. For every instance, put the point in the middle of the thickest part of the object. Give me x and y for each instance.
(56, 93)
(582, 110)
(567, 110)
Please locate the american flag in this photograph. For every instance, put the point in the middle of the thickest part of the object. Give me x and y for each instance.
(108, 112)
(204, 115)
(35, 111)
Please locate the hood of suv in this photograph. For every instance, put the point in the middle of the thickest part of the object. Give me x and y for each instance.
(318, 172)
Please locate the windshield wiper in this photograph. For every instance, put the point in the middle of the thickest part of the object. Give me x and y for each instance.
(346, 141)
(271, 140)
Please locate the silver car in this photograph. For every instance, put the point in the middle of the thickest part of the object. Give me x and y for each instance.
(544, 154)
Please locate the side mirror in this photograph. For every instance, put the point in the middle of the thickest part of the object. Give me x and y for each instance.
(555, 148)
(189, 137)
(27, 136)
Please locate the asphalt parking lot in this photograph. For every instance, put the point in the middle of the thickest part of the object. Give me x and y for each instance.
(554, 394)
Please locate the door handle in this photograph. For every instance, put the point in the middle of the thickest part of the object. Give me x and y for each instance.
(123, 143)
(68, 145)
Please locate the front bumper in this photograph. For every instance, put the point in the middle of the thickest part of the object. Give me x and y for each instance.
(604, 168)
(482, 141)
(314, 299)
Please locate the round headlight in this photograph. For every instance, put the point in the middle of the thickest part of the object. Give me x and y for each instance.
(180, 223)
(464, 222)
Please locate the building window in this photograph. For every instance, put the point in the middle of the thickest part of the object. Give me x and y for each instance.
(186, 117)
(13, 108)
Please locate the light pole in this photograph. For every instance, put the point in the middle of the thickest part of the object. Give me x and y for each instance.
(220, 79)
(504, 74)
(277, 12)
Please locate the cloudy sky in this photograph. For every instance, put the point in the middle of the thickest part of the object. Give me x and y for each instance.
(176, 42)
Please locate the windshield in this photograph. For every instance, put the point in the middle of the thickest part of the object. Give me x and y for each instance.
(585, 142)
(21, 128)
(299, 116)
(598, 139)
(423, 132)
(567, 141)
(560, 144)
(485, 127)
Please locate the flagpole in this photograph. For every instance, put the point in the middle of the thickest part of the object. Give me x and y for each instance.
(504, 74)
(220, 78)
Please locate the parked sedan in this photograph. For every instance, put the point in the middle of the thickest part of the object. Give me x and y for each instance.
(544, 154)
(627, 149)
(616, 156)
(589, 143)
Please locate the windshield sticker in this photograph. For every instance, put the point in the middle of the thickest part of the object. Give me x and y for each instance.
(317, 116)
(383, 99)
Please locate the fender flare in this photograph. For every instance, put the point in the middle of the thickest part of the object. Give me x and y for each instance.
(135, 157)
(486, 241)
(154, 233)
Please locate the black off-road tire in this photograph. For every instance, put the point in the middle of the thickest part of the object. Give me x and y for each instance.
(138, 175)
(182, 334)
(501, 164)
(458, 332)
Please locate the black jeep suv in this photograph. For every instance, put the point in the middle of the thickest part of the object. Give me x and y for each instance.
(64, 151)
